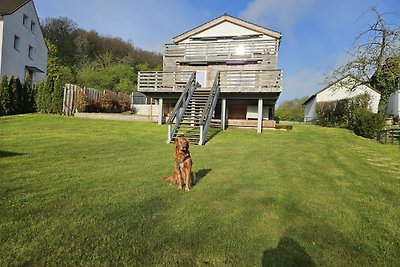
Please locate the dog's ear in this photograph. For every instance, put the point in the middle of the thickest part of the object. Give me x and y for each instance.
(176, 141)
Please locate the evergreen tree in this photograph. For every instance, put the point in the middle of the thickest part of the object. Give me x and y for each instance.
(56, 96)
(13, 92)
(29, 100)
(40, 96)
(5, 100)
(19, 96)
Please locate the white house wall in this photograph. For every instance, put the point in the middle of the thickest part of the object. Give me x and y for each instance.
(1, 43)
(13, 61)
(335, 93)
(394, 104)
(310, 111)
(339, 91)
(225, 29)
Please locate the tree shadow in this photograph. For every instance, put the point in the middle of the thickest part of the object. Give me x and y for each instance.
(287, 253)
(5, 154)
(200, 174)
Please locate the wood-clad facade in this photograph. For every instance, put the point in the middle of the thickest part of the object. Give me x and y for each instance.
(240, 55)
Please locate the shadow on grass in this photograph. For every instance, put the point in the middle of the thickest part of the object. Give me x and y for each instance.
(287, 253)
(212, 132)
(5, 154)
(200, 174)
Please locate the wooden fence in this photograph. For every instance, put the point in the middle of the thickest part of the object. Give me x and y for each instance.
(71, 94)
(389, 136)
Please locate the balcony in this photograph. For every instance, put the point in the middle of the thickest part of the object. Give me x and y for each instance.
(221, 51)
(232, 81)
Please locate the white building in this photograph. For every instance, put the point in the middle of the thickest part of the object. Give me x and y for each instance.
(345, 88)
(22, 45)
(394, 104)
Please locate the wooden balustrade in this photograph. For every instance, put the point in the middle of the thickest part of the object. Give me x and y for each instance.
(232, 81)
(234, 50)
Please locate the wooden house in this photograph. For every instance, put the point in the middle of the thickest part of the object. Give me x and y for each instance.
(224, 70)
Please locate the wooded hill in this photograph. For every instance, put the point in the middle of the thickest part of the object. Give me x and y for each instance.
(94, 60)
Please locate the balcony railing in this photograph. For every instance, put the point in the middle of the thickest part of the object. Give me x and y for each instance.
(247, 81)
(214, 51)
(232, 81)
(158, 81)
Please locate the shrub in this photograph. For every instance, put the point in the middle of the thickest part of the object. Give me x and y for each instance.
(106, 102)
(340, 113)
(95, 106)
(5, 98)
(352, 114)
(366, 124)
(82, 102)
(29, 101)
(123, 101)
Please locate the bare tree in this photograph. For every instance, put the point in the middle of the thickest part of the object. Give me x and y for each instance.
(375, 57)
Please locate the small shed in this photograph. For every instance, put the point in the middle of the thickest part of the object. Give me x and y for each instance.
(345, 88)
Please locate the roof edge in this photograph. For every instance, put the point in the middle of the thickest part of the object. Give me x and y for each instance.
(229, 18)
(338, 80)
(16, 8)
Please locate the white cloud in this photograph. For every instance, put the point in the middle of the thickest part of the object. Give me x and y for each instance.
(285, 12)
(305, 82)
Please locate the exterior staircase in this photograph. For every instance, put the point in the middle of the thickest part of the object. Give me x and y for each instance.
(193, 112)
(190, 124)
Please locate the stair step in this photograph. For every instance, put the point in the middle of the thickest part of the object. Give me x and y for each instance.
(187, 135)
(190, 123)
(197, 105)
(189, 138)
(192, 112)
(200, 97)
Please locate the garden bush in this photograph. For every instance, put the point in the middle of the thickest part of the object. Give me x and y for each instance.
(82, 104)
(123, 102)
(16, 97)
(352, 114)
(340, 113)
(366, 124)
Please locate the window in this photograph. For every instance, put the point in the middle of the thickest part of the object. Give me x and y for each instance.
(33, 25)
(16, 42)
(30, 52)
(25, 20)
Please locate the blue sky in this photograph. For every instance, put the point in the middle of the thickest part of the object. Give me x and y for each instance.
(316, 33)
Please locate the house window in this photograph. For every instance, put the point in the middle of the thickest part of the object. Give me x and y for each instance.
(25, 20)
(16, 42)
(33, 25)
(30, 52)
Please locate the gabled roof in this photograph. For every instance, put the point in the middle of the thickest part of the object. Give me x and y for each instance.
(223, 18)
(341, 79)
(10, 6)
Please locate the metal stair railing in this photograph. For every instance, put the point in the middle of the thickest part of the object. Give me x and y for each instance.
(209, 110)
(180, 107)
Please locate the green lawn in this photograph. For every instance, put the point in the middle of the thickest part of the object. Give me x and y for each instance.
(89, 192)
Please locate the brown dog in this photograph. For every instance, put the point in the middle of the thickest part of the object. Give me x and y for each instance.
(183, 174)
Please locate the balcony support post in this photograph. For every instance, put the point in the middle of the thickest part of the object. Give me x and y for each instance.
(260, 116)
(223, 114)
(160, 110)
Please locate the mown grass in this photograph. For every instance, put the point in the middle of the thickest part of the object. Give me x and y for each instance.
(86, 192)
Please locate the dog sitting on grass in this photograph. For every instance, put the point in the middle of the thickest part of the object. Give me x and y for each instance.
(183, 174)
